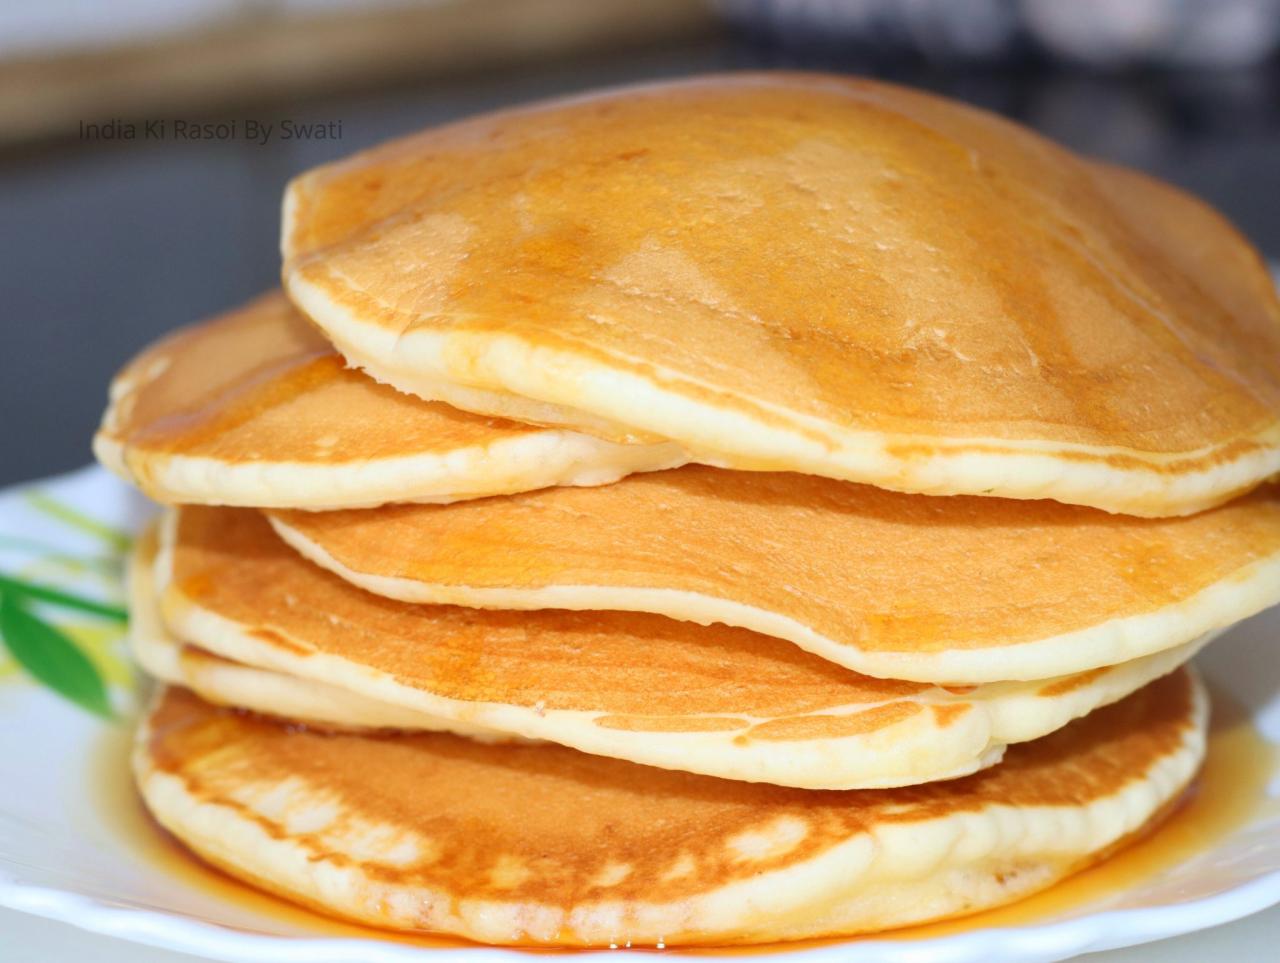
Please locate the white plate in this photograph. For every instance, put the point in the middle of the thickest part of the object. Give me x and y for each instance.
(73, 846)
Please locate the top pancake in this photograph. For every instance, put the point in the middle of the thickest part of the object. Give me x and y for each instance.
(255, 408)
(821, 274)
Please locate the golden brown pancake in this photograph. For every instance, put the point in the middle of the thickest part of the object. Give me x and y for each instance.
(710, 699)
(957, 589)
(226, 682)
(255, 408)
(544, 845)
(812, 273)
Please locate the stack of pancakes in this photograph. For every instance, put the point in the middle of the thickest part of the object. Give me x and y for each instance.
(734, 510)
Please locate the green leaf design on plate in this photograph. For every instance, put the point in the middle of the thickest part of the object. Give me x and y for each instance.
(45, 593)
(51, 657)
(114, 538)
(110, 565)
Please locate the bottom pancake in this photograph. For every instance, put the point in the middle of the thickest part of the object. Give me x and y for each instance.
(540, 844)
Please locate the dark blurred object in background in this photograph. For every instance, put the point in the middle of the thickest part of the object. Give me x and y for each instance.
(1156, 33)
(941, 31)
(1103, 34)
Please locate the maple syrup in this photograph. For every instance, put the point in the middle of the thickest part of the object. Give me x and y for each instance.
(1229, 792)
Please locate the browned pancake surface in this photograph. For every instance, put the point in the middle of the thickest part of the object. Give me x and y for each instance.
(640, 667)
(566, 820)
(868, 568)
(867, 255)
(262, 384)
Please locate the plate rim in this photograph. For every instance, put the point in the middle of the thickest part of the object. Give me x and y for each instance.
(1111, 929)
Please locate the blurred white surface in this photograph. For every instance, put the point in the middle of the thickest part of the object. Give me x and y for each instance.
(62, 26)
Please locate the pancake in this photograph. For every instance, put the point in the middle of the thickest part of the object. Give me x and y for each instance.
(811, 273)
(544, 845)
(711, 699)
(958, 590)
(255, 408)
(225, 682)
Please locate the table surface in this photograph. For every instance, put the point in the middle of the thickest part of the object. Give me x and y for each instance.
(108, 245)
